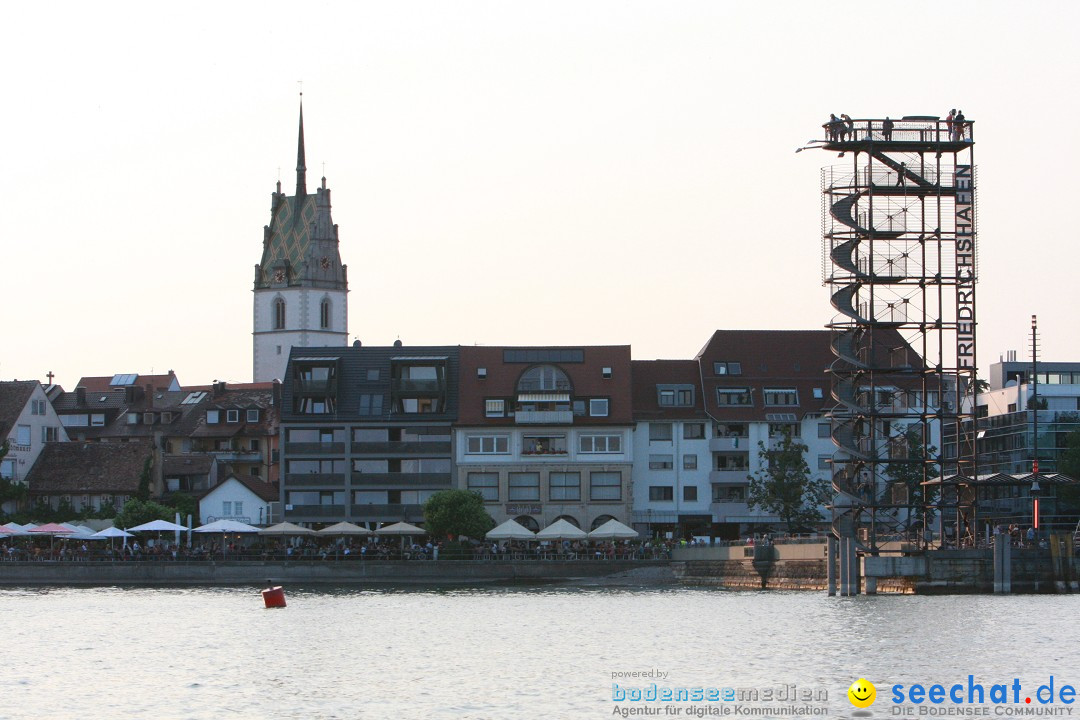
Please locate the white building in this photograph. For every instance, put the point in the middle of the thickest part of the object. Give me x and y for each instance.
(240, 498)
(27, 422)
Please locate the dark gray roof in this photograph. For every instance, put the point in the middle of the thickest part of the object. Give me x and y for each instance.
(14, 394)
(353, 365)
(75, 467)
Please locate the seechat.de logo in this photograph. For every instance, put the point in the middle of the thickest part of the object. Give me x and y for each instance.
(862, 693)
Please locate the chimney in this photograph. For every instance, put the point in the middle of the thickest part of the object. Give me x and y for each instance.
(275, 394)
(219, 388)
(149, 395)
(80, 395)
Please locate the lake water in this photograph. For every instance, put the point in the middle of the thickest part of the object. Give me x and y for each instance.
(537, 652)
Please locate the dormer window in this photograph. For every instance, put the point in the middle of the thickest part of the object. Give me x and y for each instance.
(213, 417)
(232, 416)
(253, 415)
(543, 378)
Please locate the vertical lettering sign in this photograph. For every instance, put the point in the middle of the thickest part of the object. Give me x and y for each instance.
(965, 269)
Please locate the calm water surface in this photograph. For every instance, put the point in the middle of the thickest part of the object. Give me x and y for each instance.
(494, 653)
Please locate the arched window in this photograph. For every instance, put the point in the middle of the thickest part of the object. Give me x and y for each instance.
(324, 313)
(543, 378)
(279, 313)
(600, 521)
(528, 522)
(568, 518)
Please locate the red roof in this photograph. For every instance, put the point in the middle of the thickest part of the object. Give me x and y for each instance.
(648, 374)
(587, 378)
(104, 384)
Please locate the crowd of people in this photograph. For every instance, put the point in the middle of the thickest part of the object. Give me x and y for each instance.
(842, 129)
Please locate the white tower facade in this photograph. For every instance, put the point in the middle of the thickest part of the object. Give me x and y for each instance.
(301, 287)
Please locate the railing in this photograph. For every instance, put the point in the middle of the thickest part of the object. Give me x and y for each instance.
(391, 511)
(417, 386)
(911, 129)
(315, 511)
(403, 447)
(544, 417)
(735, 476)
(315, 387)
(428, 480)
(534, 386)
(726, 444)
(236, 455)
(315, 448)
(336, 480)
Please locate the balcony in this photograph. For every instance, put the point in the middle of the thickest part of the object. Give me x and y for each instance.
(315, 387)
(729, 444)
(544, 417)
(327, 480)
(730, 477)
(405, 479)
(397, 511)
(250, 456)
(303, 512)
(390, 448)
(417, 387)
(314, 448)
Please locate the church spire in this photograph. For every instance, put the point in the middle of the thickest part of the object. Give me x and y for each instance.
(301, 168)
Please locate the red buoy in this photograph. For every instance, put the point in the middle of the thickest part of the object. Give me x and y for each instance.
(274, 597)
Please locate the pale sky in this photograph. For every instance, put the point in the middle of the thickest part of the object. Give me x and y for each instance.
(503, 172)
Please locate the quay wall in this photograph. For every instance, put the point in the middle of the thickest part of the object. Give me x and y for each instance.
(255, 572)
(803, 566)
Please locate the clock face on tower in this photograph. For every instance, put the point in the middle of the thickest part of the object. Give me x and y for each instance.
(279, 276)
(325, 262)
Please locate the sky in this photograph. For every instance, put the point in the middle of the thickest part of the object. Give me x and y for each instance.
(524, 173)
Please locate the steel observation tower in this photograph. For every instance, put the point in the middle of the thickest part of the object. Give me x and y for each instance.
(900, 261)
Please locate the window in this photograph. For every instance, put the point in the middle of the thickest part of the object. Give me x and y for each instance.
(254, 445)
(606, 373)
(667, 397)
(253, 416)
(659, 431)
(727, 368)
(605, 486)
(226, 508)
(662, 493)
(37, 407)
(732, 430)
(253, 470)
(824, 462)
(494, 408)
(97, 420)
(324, 313)
(781, 396)
(370, 404)
(7, 469)
(824, 430)
(481, 372)
(132, 419)
(22, 435)
(543, 378)
(689, 462)
(598, 407)
(777, 430)
(564, 486)
(675, 395)
(733, 396)
(579, 408)
(661, 462)
(693, 431)
(212, 417)
(689, 493)
(487, 484)
(686, 397)
(50, 434)
(600, 443)
(232, 416)
(488, 444)
(238, 508)
(524, 486)
(543, 445)
(279, 314)
(819, 394)
(373, 375)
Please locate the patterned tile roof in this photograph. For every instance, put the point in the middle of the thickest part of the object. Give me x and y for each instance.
(288, 236)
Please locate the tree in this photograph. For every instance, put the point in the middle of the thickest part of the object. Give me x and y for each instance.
(143, 493)
(783, 486)
(136, 512)
(456, 512)
(10, 491)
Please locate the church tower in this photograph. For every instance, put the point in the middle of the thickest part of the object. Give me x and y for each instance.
(301, 287)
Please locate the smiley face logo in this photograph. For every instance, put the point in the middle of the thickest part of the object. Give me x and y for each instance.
(862, 693)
